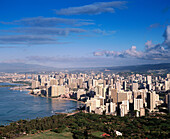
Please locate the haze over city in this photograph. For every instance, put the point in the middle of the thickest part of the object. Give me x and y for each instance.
(86, 33)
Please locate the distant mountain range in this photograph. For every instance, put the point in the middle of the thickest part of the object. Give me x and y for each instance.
(21, 67)
(141, 68)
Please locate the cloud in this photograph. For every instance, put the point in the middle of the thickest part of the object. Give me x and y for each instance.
(49, 22)
(92, 9)
(129, 52)
(41, 30)
(107, 53)
(151, 52)
(149, 45)
(167, 37)
(47, 31)
(104, 32)
(27, 39)
(132, 52)
(56, 31)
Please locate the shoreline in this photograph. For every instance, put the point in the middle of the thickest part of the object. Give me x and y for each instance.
(70, 111)
(69, 99)
(16, 86)
(30, 93)
(59, 98)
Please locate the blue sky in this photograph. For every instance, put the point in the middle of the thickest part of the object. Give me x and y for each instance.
(86, 33)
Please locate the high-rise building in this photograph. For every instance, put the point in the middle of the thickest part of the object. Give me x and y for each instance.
(107, 108)
(53, 91)
(113, 94)
(113, 108)
(35, 84)
(80, 93)
(134, 86)
(124, 85)
(122, 96)
(92, 104)
(61, 81)
(167, 85)
(138, 104)
(149, 87)
(56, 90)
(95, 83)
(48, 90)
(104, 90)
(151, 100)
(53, 81)
(118, 86)
(140, 94)
(111, 82)
(39, 78)
(90, 83)
(80, 82)
(149, 79)
(43, 81)
(124, 108)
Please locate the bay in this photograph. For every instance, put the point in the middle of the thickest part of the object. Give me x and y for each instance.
(16, 105)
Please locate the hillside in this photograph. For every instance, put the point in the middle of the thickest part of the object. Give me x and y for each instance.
(141, 68)
(85, 125)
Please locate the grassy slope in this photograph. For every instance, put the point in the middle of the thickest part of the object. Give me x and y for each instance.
(53, 135)
(48, 135)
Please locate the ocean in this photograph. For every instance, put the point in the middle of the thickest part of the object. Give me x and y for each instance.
(16, 105)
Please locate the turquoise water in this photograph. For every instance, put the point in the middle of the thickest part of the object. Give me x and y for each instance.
(16, 105)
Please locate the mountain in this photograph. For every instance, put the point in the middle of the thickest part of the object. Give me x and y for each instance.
(21, 67)
(141, 68)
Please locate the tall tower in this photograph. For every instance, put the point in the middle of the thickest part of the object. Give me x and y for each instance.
(149, 79)
(151, 100)
(134, 86)
(124, 85)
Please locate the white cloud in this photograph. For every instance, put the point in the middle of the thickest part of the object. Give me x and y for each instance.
(92, 9)
(151, 52)
(104, 32)
(167, 37)
(49, 22)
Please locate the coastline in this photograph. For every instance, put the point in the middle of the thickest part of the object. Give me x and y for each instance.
(71, 108)
(59, 98)
(69, 99)
(30, 93)
(16, 86)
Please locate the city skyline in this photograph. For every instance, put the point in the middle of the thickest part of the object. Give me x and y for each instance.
(91, 33)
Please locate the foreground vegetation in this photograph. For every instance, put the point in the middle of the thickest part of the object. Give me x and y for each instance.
(84, 125)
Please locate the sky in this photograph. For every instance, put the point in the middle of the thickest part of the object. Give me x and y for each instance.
(85, 33)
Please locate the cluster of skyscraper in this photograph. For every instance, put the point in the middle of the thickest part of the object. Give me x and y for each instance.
(106, 93)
